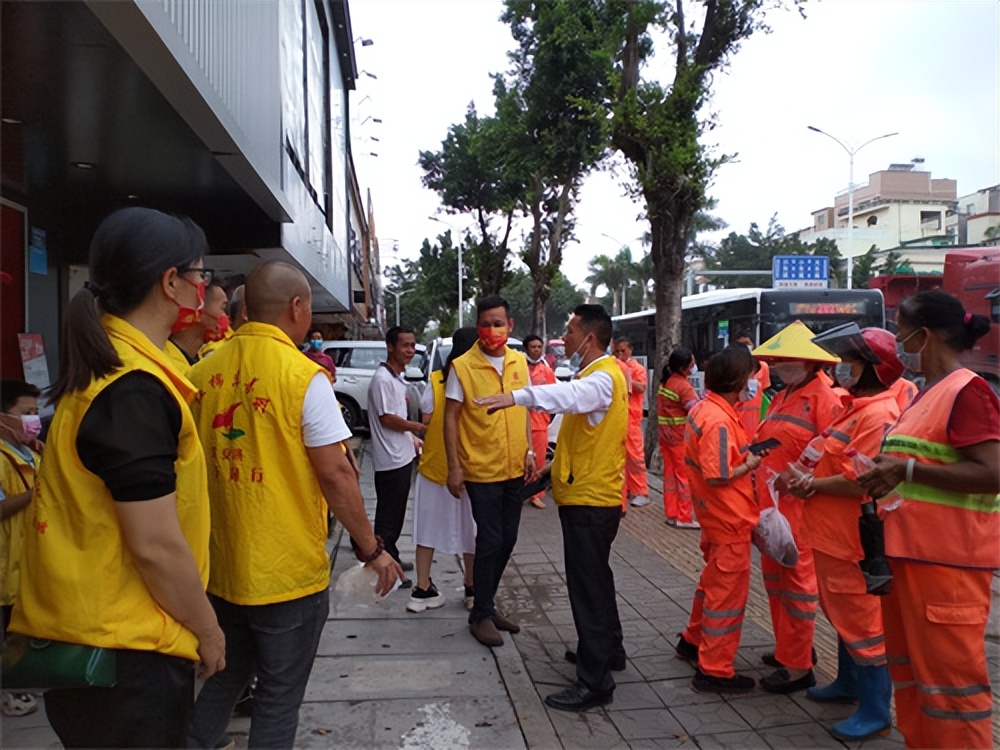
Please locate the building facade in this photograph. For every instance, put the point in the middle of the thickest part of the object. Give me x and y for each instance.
(898, 205)
(233, 113)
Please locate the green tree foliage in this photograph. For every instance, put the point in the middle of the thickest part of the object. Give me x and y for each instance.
(562, 66)
(428, 287)
(861, 274)
(474, 174)
(615, 274)
(563, 299)
(756, 249)
(660, 128)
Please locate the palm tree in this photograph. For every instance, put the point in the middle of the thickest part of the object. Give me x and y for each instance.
(613, 274)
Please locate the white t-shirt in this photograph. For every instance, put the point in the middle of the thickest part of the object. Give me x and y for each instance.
(387, 395)
(322, 421)
(453, 387)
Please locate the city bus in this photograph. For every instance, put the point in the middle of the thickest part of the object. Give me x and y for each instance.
(710, 319)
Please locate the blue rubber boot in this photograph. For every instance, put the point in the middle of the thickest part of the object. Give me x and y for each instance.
(872, 717)
(844, 689)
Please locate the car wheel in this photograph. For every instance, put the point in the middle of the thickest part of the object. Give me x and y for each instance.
(351, 412)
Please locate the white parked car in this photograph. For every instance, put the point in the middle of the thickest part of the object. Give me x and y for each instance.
(356, 362)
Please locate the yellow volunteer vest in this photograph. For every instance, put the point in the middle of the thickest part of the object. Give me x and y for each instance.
(433, 458)
(491, 447)
(17, 476)
(589, 465)
(177, 358)
(210, 347)
(268, 511)
(83, 586)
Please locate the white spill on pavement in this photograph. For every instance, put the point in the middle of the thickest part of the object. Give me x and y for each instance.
(438, 731)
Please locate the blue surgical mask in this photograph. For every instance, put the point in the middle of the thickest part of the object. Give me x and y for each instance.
(909, 360)
(316, 344)
(842, 371)
(577, 358)
(750, 390)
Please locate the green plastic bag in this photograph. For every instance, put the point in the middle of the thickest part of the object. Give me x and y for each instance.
(39, 664)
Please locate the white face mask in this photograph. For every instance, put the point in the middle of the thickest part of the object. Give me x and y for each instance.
(534, 361)
(750, 390)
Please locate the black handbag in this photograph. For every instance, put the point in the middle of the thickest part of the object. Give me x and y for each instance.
(40, 664)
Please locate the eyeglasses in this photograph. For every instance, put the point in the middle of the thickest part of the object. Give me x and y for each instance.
(205, 274)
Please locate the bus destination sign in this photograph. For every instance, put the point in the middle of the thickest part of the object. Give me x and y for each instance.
(800, 272)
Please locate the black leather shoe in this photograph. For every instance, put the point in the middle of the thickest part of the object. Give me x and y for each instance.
(781, 682)
(578, 698)
(770, 661)
(617, 661)
(687, 651)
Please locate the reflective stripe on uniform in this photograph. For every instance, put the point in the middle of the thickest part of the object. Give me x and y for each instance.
(667, 393)
(951, 690)
(793, 420)
(937, 713)
(915, 446)
(722, 631)
(927, 494)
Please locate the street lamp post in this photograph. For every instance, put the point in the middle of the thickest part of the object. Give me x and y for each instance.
(458, 246)
(850, 194)
(625, 280)
(397, 295)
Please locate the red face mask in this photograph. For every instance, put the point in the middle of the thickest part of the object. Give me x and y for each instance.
(493, 338)
(221, 328)
(189, 316)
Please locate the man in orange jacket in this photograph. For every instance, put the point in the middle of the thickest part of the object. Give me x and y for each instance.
(636, 484)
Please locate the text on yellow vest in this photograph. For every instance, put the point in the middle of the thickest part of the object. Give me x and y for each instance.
(269, 517)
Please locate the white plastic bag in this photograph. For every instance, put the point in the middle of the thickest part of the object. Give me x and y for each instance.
(355, 586)
(773, 535)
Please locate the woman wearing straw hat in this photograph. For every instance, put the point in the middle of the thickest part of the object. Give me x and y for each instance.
(798, 414)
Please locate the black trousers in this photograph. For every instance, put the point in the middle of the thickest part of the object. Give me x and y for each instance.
(588, 532)
(392, 490)
(149, 707)
(496, 507)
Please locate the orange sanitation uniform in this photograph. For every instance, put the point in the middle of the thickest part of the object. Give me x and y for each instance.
(635, 455)
(540, 374)
(714, 445)
(795, 418)
(904, 392)
(831, 529)
(942, 546)
(672, 399)
(749, 411)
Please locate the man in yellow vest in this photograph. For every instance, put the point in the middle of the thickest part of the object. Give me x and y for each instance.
(489, 456)
(588, 471)
(273, 437)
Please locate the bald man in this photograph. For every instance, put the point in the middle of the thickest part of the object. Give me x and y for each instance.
(237, 308)
(274, 439)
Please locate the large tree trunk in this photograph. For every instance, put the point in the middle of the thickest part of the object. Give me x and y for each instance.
(669, 245)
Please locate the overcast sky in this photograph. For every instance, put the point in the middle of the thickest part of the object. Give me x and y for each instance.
(856, 69)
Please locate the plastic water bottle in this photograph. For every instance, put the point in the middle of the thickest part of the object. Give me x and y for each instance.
(803, 466)
(862, 464)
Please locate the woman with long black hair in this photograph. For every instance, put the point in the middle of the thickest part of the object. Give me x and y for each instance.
(118, 546)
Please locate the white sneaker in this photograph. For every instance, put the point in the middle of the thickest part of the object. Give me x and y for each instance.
(421, 600)
(688, 525)
(639, 500)
(19, 704)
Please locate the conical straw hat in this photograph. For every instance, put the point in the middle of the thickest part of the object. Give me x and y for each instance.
(794, 342)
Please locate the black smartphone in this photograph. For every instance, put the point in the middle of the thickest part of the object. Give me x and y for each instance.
(764, 445)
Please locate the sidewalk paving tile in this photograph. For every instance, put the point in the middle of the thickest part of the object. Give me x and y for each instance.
(646, 724)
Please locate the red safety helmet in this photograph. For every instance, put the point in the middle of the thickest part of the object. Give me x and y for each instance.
(874, 345)
(883, 345)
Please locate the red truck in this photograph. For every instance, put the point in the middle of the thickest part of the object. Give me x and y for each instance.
(971, 274)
